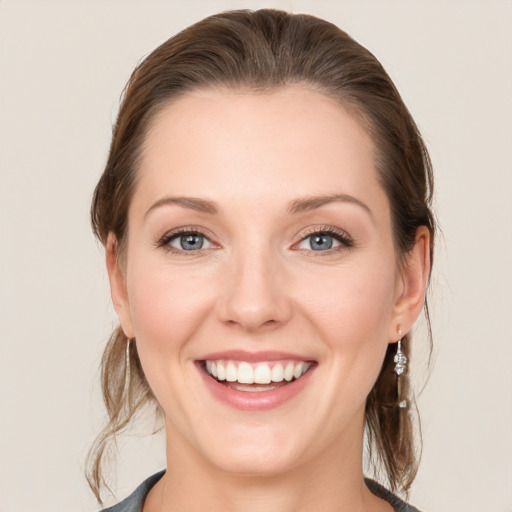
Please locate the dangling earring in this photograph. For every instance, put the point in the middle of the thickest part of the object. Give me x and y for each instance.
(400, 359)
(400, 367)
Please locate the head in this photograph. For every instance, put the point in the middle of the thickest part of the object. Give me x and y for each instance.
(262, 66)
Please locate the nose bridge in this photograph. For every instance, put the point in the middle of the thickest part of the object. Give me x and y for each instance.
(254, 296)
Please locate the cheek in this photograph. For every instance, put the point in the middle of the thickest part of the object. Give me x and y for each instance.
(350, 310)
(350, 299)
(167, 307)
(160, 298)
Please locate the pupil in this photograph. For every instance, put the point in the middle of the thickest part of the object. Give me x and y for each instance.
(321, 242)
(191, 242)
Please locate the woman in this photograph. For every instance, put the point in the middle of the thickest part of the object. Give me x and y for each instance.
(265, 210)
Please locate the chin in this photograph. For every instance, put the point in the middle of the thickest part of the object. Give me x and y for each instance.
(256, 461)
(253, 452)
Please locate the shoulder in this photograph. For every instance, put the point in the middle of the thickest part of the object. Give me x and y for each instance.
(136, 499)
(394, 501)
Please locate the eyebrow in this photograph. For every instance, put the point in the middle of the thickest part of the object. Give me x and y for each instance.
(192, 203)
(314, 202)
(296, 206)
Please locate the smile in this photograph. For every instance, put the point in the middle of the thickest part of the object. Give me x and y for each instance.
(255, 382)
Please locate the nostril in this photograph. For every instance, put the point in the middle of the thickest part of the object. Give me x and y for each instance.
(253, 324)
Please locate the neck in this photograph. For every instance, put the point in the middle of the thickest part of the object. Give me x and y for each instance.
(330, 482)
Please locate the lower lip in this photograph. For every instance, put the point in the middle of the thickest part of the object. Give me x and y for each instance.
(255, 400)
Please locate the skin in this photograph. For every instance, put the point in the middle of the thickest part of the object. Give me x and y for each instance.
(257, 284)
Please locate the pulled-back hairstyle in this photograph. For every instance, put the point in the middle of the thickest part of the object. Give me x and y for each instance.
(261, 51)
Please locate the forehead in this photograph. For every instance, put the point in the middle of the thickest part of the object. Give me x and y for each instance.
(245, 145)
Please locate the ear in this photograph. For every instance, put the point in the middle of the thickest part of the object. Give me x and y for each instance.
(411, 285)
(118, 289)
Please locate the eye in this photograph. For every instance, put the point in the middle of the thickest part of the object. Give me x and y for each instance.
(189, 242)
(319, 242)
(185, 240)
(325, 240)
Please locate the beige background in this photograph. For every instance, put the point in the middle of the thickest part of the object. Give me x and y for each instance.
(62, 68)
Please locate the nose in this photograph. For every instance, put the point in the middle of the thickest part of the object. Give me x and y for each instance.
(254, 293)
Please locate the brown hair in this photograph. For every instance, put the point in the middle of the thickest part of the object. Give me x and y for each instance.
(262, 50)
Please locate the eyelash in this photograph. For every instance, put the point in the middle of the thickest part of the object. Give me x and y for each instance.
(343, 238)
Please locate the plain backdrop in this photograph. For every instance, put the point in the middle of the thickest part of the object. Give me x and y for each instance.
(63, 65)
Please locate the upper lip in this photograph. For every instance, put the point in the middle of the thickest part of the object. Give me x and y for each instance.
(253, 357)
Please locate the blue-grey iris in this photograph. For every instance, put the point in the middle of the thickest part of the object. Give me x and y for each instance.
(191, 242)
(321, 242)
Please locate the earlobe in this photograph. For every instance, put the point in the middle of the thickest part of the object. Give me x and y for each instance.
(118, 289)
(414, 276)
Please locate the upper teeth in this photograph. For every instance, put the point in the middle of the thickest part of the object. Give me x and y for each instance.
(256, 373)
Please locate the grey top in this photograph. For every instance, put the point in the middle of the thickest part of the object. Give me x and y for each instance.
(135, 501)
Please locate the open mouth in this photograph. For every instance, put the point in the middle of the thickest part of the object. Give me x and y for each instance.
(256, 377)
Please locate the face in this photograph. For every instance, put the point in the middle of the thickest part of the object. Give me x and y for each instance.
(260, 279)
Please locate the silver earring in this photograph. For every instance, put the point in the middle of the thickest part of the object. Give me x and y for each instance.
(400, 366)
(400, 360)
